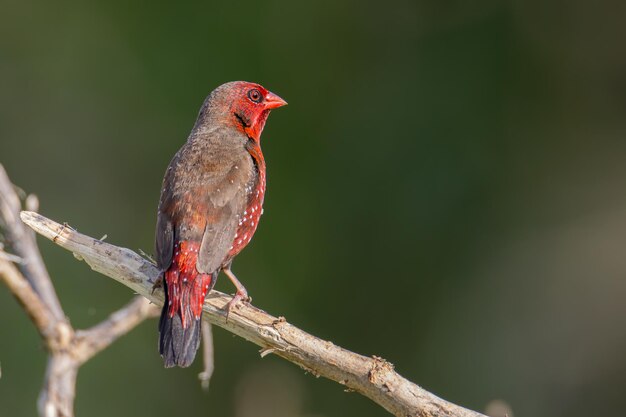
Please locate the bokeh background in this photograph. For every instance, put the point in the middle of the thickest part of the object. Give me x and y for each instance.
(446, 190)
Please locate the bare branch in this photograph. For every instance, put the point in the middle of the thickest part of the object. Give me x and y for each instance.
(372, 377)
(30, 284)
(23, 244)
(56, 398)
(91, 341)
(207, 355)
(27, 297)
(10, 257)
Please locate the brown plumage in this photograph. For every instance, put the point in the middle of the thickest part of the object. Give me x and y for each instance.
(211, 202)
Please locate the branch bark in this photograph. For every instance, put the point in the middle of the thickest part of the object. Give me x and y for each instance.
(373, 377)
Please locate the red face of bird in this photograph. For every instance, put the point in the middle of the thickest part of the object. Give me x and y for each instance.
(242, 104)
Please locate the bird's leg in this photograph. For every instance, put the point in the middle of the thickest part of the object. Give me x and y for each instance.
(240, 295)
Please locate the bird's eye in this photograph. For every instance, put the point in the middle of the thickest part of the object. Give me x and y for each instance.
(255, 95)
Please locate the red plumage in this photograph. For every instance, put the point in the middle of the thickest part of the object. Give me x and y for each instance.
(186, 286)
(210, 206)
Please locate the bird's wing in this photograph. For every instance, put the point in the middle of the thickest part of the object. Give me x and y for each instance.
(227, 202)
(165, 234)
(164, 241)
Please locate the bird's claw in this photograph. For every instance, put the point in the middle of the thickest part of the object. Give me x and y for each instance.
(240, 296)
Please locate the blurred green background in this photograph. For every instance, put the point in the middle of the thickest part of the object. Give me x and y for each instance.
(446, 189)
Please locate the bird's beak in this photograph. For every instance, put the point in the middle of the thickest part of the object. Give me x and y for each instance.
(272, 101)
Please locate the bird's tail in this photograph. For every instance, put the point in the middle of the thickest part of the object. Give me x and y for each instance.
(185, 289)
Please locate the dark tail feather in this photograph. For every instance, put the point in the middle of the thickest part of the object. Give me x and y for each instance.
(177, 345)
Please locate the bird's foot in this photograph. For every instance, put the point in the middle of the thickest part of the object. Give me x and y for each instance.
(240, 297)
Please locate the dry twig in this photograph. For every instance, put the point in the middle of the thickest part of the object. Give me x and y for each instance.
(207, 355)
(373, 377)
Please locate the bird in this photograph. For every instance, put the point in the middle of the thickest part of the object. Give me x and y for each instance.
(210, 206)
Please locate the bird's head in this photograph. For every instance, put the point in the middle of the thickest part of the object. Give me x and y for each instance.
(242, 104)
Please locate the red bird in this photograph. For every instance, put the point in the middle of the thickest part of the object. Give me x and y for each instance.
(210, 206)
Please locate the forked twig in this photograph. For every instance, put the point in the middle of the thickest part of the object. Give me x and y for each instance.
(24, 273)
